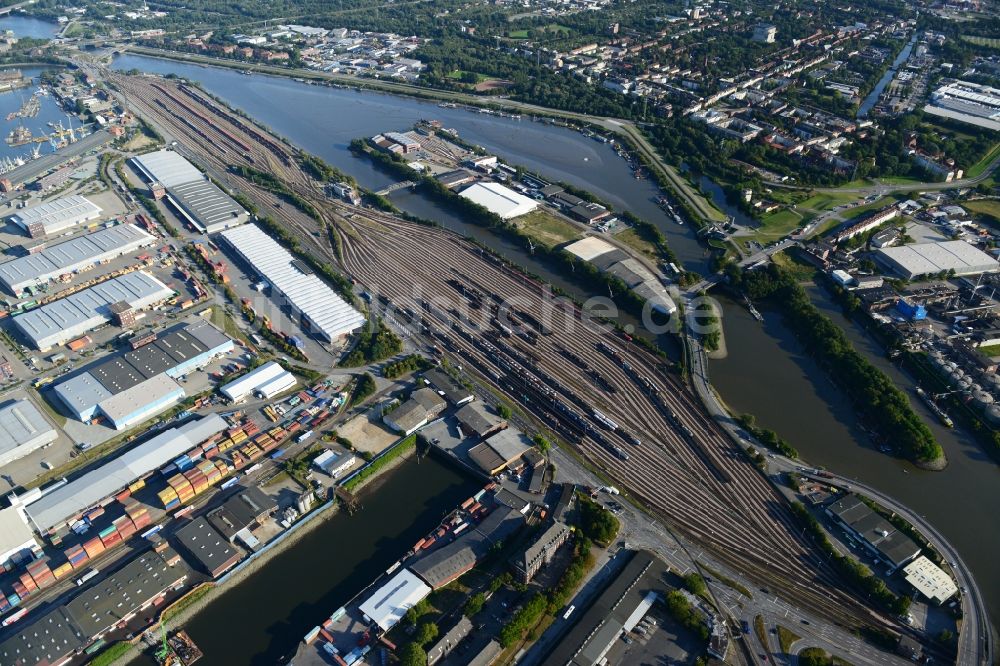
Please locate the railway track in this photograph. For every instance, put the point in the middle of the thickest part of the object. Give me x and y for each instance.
(651, 435)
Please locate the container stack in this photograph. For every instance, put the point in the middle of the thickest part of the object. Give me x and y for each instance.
(109, 536)
(20, 591)
(124, 526)
(76, 556)
(62, 570)
(183, 462)
(29, 584)
(139, 515)
(168, 496)
(94, 547)
(181, 485)
(41, 574)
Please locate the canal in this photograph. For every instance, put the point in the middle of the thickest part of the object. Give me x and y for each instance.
(818, 420)
(872, 99)
(264, 618)
(811, 413)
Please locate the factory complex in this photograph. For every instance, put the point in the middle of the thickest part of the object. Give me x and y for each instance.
(619, 263)
(198, 200)
(971, 103)
(313, 304)
(73, 256)
(57, 215)
(129, 387)
(60, 321)
(918, 259)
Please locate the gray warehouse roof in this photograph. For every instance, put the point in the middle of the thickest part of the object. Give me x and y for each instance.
(71, 256)
(57, 214)
(83, 492)
(927, 258)
(328, 312)
(46, 640)
(209, 207)
(70, 317)
(22, 430)
(167, 168)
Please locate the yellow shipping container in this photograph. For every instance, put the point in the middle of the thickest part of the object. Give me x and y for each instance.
(226, 444)
(138, 485)
(62, 570)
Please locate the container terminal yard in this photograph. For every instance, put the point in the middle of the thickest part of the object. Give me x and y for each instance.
(199, 489)
(665, 450)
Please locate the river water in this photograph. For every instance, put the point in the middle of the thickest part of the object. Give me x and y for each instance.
(264, 618)
(811, 414)
(27, 26)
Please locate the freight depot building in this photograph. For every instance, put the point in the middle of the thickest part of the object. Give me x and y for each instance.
(57, 215)
(23, 429)
(311, 301)
(609, 259)
(910, 261)
(268, 381)
(499, 200)
(64, 504)
(72, 256)
(875, 532)
(131, 387)
(70, 317)
(198, 200)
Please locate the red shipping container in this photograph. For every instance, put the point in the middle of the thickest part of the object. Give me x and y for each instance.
(94, 547)
(123, 495)
(125, 527)
(142, 522)
(112, 539)
(19, 589)
(28, 583)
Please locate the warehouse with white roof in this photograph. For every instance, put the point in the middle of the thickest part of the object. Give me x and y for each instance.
(56, 215)
(312, 302)
(930, 580)
(23, 429)
(16, 538)
(917, 259)
(62, 505)
(70, 317)
(500, 200)
(268, 379)
(72, 256)
(387, 606)
(166, 168)
(197, 199)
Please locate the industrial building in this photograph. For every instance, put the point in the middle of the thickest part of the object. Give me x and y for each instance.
(268, 380)
(968, 102)
(16, 538)
(311, 301)
(619, 608)
(501, 451)
(51, 639)
(914, 260)
(423, 405)
(873, 531)
(450, 561)
(609, 259)
(477, 419)
(445, 385)
(241, 513)
(540, 552)
(387, 606)
(68, 318)
(73, 256)
(115, 387)
(66, 503)
(929, 580)
(57, 215)
(23, 429)
(334, 463)
(124, 593)
(209, 549)
(499, 200)
(197, 199)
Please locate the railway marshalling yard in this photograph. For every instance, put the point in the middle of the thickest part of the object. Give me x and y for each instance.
(670, 456)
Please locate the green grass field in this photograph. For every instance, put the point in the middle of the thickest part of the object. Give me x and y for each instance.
(979, 167)
(824, 201)
(459, 73)
(631, 238)
(978, 40)
(988, 208)
(546, 228)
(774, 226)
